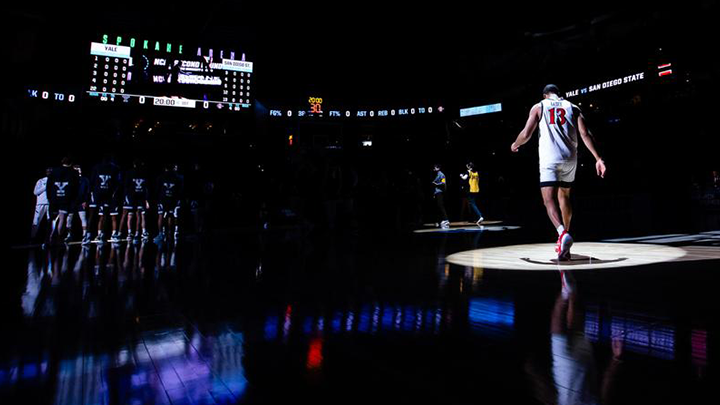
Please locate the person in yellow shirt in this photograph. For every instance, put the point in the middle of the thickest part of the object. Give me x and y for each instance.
(473, 179)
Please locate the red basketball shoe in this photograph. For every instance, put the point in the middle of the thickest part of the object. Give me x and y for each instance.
(564, 243)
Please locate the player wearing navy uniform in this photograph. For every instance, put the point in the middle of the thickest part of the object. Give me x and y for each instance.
(80, 207)
(136, 201)
(198, 189)
(62, 188)
(560, 122)
(104, 195)
(169, 195)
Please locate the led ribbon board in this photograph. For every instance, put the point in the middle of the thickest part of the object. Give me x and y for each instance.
(484, 109)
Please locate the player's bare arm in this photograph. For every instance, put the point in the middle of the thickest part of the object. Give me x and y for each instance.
(589, 141)
(526, 133)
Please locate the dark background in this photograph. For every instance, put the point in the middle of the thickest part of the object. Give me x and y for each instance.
(656, 135)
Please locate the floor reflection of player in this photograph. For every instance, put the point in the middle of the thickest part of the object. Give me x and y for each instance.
(35, 273)
(573, 378)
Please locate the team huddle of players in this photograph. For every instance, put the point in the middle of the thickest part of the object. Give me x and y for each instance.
(111, 192)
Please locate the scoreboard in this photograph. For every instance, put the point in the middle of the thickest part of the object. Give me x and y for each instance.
(165, 74)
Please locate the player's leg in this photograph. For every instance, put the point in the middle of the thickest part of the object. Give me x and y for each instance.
(84, 223)
(549, 196)
(142, 223)
(114, 213)
(129, 215)
(40, 213)
(61, 223)
(53, 221)
(101, 224)
(92, 211)
(124, 221)
(160, 224)
(472, 201)
(552, 206)
(563, 195)
(440, 198)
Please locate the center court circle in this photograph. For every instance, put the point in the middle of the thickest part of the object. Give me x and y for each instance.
(585, 256)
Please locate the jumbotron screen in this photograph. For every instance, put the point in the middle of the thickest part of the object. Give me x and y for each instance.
(169, 74)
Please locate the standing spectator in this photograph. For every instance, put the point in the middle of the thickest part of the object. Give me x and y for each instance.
(440, 184)
(473, 179)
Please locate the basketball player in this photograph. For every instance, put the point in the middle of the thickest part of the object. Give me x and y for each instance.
(169, 194)
(473, 179)
(198, 188)
(41, 204)
(440, 184)
(80, 207)
(104, 186)
(136, 201)
(560, 122)
(62, 188)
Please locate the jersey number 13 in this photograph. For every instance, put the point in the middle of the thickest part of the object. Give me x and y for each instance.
(557, 116)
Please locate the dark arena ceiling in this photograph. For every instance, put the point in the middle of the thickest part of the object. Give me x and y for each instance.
(372, 51)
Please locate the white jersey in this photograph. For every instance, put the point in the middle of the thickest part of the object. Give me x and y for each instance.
(558, 131)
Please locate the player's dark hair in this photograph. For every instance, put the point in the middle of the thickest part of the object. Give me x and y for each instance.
(551, 89)
(108, 158)
(138, 163)
(436, 166)
(471, 165)
(66, 161)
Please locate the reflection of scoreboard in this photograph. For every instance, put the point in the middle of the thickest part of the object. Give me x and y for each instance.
(145, 73)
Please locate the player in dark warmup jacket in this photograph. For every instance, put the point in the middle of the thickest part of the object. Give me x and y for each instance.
(104, 187)
(62, 188)
(169, 195)
(136, 201)
(198, 188)
(80, 207)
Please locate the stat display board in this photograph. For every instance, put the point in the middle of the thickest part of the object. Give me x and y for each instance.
(169, 74)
